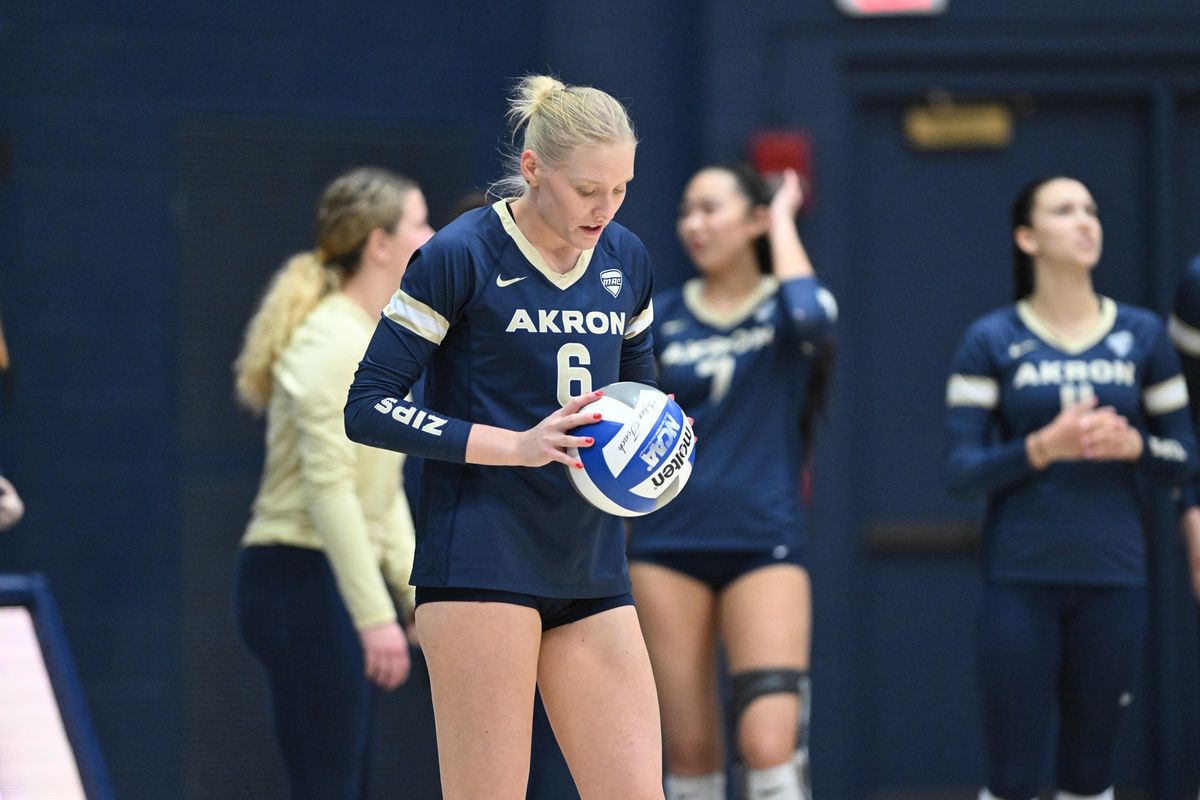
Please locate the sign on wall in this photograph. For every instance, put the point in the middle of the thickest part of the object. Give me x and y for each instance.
(884, 8)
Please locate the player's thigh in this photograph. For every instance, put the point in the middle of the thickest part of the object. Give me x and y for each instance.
(766, 623)
(678, 618)
(598, 690)
(766, 619)
(482, 660)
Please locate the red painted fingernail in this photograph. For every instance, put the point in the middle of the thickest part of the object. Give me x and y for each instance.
(599, 393)
(578, 465)
(596, 416)
(590, 440)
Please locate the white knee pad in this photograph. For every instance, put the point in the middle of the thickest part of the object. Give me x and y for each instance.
(803, 772)
(774, 783)
(696, 787)
(1107, 794)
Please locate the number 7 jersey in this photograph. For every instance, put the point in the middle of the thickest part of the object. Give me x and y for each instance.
(743, 375)
(1076, 521)
(504, 341)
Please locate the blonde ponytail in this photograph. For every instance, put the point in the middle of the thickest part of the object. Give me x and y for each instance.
(295, 291)
(557, 118)
(529, 95)
(352, 206)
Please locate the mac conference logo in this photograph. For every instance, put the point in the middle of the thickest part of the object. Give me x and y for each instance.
(1120, 343)
(611, 280)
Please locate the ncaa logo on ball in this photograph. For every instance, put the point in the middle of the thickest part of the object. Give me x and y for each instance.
(682, 456)
(642, 453)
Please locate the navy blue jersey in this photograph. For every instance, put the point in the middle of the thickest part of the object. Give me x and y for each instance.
(1074, 522)
(1184, 327)
(504, 341)
(742, 376)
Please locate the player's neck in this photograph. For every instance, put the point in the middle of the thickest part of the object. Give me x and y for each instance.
(1065, 302)
(370, 289)
(559, 255)
(730, 285)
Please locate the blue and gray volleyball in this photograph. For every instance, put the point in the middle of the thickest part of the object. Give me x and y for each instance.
(643, 452)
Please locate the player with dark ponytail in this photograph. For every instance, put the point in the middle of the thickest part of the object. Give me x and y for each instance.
(1057, 406)
(745, 347)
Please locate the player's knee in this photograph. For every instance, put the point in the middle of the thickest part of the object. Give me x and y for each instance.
(762, 747)
(767, 740)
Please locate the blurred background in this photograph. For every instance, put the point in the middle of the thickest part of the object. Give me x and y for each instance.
(159, 160)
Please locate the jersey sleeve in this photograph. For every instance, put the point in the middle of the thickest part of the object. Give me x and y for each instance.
(809, 308)
(637, 351)
(436, 288)
(314, 373)
(1169, 454)
(1184, 326)
(1184, 330)
(978, 461)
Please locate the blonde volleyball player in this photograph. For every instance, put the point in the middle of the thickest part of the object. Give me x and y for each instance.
(516, 313)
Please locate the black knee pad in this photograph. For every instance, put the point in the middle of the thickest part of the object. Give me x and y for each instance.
(748, 686)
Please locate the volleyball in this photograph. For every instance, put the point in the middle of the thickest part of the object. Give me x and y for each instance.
(643, 451)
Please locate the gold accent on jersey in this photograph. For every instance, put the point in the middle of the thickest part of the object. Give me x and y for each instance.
(693, 298)
(1108, 316)
(1163, 398)
(972, 390)
(417, 317)
(1184, 336)
(641, 322)
(561, 280)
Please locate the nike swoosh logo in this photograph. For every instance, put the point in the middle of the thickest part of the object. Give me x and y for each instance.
(672, 327)
(1018, 350)
(502, 282)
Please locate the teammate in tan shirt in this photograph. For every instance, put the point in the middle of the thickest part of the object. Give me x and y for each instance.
(326, 557)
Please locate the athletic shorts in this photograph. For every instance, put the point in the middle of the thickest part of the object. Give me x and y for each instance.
(554, 611)
(718, 569)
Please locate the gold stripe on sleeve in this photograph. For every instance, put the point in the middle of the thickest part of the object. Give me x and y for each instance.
(1163, 398)
(972, 390)
(1184, 336)
(641, 322)
(417, 317)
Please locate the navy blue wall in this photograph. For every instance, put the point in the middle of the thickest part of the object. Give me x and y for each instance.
(93, 102)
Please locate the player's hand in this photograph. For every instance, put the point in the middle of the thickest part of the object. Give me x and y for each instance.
(1062, 439)
(1191, 538)
(410, 629)
(11, 506)
(788, 198)
(385, 655)
(548, 440)
(690, 420)
(1108, 436)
